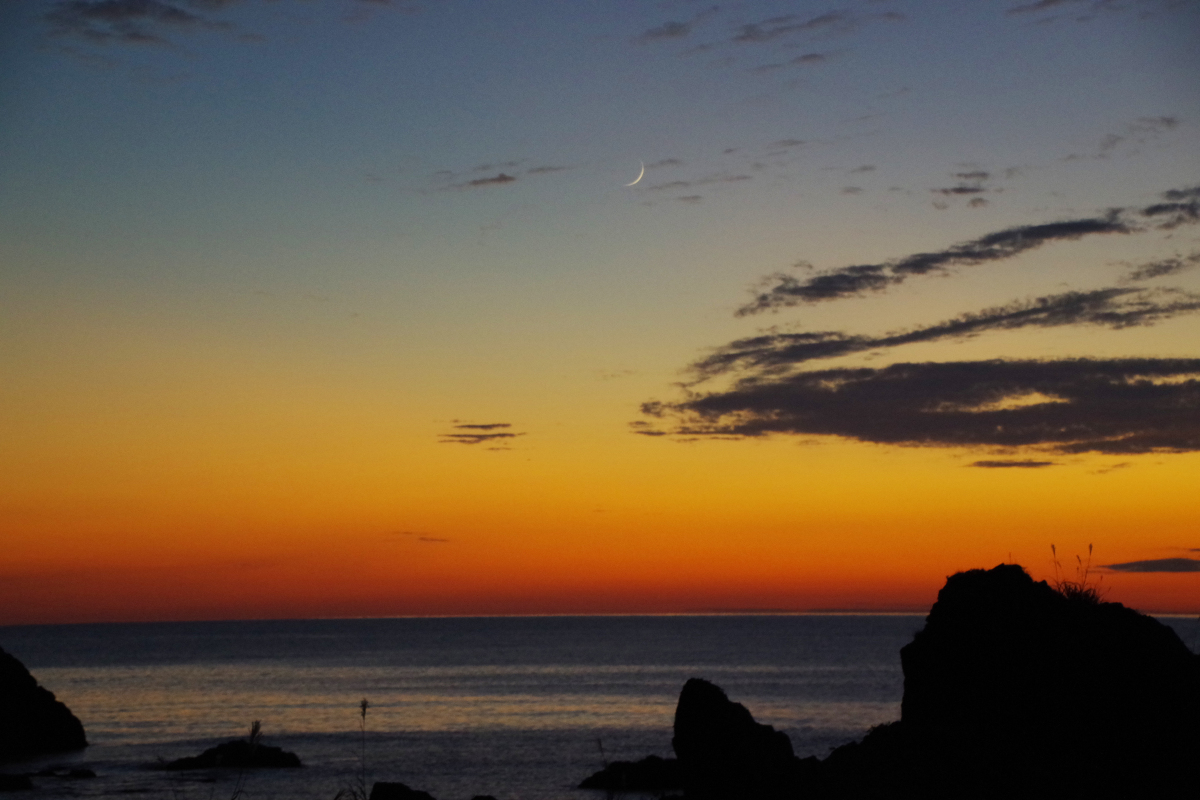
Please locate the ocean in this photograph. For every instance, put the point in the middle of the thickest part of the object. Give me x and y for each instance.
(522, 708)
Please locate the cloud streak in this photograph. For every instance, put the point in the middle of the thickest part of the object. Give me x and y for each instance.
(1178, 207)
(1158, 565)
(479, 433)
(1113, 406)
(1112, 308)
(128, 21)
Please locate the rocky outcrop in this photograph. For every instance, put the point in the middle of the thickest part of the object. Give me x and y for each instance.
(240, 754)
(1011, 690)
(724, 754)
(32, 721)
(651, 774)
(1012, 687)
(394, 790)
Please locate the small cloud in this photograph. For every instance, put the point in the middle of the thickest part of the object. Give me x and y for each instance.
(544, 170)
(959, 190)
(668, 30)
(863, 168)
(480, 433)
(691, 198)
(785, 143)
(431, 539)
(852, 190)
(1112, 468)
(665, 162)
(126, 21)
(977, 202)
(810, 58)
(1158, 565)
(1013, 464)
(498, 179)
(1166, 266)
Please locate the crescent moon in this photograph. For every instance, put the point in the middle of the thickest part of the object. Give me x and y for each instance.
(640, 174)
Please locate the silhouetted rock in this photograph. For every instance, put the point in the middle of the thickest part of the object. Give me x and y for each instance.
(15, 783)
(383, 790)
(238, 753)
(724, 754)
(651, 774)
(32, 721)
(1013, 690)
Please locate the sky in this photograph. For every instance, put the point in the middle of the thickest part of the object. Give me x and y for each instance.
(343, 308)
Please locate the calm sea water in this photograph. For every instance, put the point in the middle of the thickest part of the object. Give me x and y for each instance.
(520, 708)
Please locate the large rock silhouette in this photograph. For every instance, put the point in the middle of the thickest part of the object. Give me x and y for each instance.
(32, 721)
(724, 754)
(1011, 690)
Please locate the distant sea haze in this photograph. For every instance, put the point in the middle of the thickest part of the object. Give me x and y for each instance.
(517, 707)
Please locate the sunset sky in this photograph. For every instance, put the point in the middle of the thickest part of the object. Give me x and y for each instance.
(318, 308)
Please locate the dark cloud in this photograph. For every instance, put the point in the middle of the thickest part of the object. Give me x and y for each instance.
(1111, 308)
(1113, 406)
(956, 190)
(863, 168)
(771, 29)
(1158, 565)
(480, 433)
(668, 30)
(433, 539)
(691, 198)
(665, 162)
(1166, 266)
(1181, 207)
(974, 175)
(1040, 5)
(498, 179)
(675, 29)
(544, 170)
(129, 21)
(852, 190)
(1013, 464)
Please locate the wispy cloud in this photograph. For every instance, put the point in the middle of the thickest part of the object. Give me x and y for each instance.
(1165, 266)
(128, 21)
(495, 180)
(1179, 207)
(479, 433)
(1112, 308)
(1158, 565)
(1115, 406)
(1013, 464)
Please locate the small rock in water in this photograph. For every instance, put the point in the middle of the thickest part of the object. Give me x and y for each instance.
(385, 790)
(238, 753)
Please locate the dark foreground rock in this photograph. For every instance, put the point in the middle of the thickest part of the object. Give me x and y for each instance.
(387, 790)
(15, 783)
(1011, 690)
(32, 721)
(651, 774)
(238, 753)
(724, 754)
